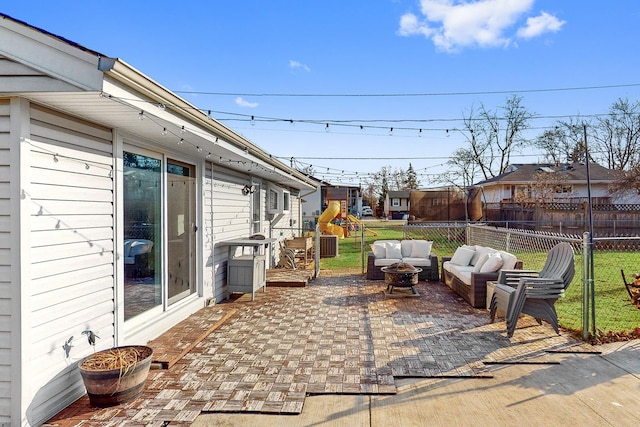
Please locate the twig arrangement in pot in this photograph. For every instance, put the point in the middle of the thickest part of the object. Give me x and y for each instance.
(115, 375)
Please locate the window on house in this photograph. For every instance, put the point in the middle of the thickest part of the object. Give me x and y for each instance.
(564, 189)
(395, 202)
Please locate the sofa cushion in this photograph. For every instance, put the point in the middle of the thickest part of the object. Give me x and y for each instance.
(481, 261)
(508, 260)
(406, 246)
(493, 263)
(481, 250)
(379, 250)
(465, 277)
(383, 262)
(394, 250)
(418, 262)
(456, 270)
(420, 248)
(462, 256)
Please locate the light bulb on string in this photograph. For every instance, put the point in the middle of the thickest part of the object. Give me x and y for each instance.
(391, 132)
(326, 128)
(141, 115)
(253, 121)
(181, 141)
(420, 133)
(182, 129)
(164, 131)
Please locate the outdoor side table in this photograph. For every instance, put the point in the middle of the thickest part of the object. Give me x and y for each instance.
(246, 273)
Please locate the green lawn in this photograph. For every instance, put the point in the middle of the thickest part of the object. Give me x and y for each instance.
(614, 311)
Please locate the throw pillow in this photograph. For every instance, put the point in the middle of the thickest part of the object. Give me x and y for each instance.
(492, 264)
(379, 250)
(481, 261)
(394, 250)
(406, 246)
(462, 256)
(421, 249)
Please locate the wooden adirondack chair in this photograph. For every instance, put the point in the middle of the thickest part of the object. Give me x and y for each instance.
(534, 292)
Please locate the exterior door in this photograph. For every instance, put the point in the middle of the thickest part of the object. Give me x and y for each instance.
(181, 230)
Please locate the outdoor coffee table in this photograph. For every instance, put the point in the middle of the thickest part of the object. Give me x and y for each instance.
(401, 275)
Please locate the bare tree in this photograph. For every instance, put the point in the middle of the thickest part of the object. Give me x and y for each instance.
(617, 135)
(564, 143)
(494, 136)
(462, 171)
(628, 180)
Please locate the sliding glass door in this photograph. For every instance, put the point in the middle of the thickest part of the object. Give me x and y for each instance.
(142, 186)
(159, 224)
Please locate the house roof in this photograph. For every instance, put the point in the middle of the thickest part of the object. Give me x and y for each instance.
(572, 173)
(108, 91)
(399, 194)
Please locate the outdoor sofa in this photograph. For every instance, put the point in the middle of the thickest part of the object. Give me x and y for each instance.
(471, 267)
(415, 252)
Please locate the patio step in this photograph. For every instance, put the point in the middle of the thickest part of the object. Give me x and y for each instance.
(284, 277)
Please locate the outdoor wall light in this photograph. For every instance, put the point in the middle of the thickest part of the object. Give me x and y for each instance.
(248, 189)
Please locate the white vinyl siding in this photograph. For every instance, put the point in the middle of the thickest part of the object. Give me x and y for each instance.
(231, 218)
(5, 265)
(71, 285)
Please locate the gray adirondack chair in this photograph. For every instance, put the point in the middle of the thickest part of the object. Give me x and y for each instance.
(534, 292)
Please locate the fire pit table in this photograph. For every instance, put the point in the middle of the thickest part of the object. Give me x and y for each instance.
(401, 275)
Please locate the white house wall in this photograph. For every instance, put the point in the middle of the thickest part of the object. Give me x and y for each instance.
(6, 301)
(230, 217)
(71, 287)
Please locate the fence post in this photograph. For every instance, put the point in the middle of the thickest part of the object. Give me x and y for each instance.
(363, 254)
(586, 280)
(507, 241)
(316, 253)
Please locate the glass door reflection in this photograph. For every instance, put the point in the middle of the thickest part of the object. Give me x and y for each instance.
(142, 193)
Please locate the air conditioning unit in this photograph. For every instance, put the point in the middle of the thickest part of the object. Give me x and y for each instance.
(328, 246)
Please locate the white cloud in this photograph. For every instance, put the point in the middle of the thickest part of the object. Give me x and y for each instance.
(541, 24)
(456, 24)
(295, 65)
(243, 103)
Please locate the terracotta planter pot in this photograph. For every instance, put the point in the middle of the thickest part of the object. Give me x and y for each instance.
(110, 385)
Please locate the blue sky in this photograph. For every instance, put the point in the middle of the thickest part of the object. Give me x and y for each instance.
(447, 56)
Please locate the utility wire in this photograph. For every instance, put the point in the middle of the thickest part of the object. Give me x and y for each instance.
(391, 95)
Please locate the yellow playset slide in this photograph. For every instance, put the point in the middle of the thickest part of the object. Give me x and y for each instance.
(325, 218)
(361, 224)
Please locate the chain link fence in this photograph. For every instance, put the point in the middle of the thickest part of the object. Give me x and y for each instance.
(597, 296)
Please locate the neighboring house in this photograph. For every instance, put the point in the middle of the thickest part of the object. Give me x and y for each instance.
(445, 204)
(567, 182)
(312, 204)
(96, 204)
(317, 201)
(397, 204)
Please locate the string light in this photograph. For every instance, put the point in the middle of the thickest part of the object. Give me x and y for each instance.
(253, 121)
(164, 131)
(141, 115)
(182, 130)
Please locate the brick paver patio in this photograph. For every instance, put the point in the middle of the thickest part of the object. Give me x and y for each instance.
(338, 335)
